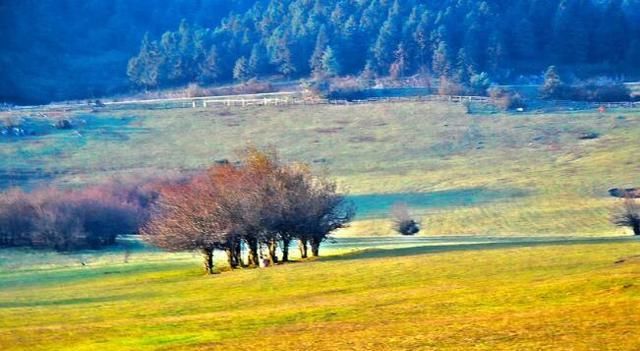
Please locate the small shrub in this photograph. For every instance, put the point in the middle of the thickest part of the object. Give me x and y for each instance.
(506, 99)
(448, 86)
(194, 90)
(63, 123)
(253, 86)
(403, 222)
(627, 215)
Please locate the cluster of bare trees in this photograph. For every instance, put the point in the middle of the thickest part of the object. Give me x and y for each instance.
(259, 205)
(72, 219)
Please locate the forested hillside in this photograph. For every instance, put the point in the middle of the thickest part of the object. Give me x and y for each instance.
(58, 49)
(61, 49)
(452, 38)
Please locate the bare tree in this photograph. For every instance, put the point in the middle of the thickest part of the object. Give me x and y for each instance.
(328, 211)
(403, 222)
(628, 215)
(187, 219)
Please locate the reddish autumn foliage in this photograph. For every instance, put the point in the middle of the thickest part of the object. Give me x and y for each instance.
(261, 203)
(91, 217)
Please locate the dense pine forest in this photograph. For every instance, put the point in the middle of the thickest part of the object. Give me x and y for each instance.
(101, 46)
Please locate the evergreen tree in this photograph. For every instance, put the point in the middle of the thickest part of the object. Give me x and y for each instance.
(241, 70)
(385, 45)
(145, 69)
(330, 65)
(258, 60)
(315, 63)
(441, 63)
(367, 77)
(464, 69)
(553, 85)
(399, 65)
(479, 83)
(209, 68)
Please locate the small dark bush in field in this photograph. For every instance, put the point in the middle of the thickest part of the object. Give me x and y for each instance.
(403, 222)
(625, 193)
(589, 136)
(63, 124)
(627, 214)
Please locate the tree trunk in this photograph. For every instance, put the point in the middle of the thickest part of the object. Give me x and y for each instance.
(233, 253)
(285, 249)
(232, 258)
(208, 260)
(273, 246)
(636, 228)
(237, 252)
(253, 259)
(315, 248)
(302, 245)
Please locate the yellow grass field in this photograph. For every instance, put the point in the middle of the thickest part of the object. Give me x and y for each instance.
(486, 297)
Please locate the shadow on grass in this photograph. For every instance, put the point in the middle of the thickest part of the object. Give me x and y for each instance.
(377, 205)
(420, 250)
(71, 301)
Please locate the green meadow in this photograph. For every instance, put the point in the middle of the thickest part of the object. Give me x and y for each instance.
(581, 295)
(485, 174)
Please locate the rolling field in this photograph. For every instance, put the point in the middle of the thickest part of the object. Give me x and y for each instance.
(517, 252)
(578, 296)
(487, 174)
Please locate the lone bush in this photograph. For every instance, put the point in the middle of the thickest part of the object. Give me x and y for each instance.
(506, 99)
(403, 222)
(628, 215)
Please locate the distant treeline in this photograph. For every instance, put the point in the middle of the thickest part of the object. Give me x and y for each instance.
(457, 39)
(64, 49)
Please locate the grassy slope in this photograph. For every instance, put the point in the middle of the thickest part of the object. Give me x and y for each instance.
(518, 298)
(546, 180)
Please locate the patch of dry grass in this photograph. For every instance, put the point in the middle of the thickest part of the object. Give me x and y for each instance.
(381, 148)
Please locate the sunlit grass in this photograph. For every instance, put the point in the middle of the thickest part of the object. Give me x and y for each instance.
(557, 297)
